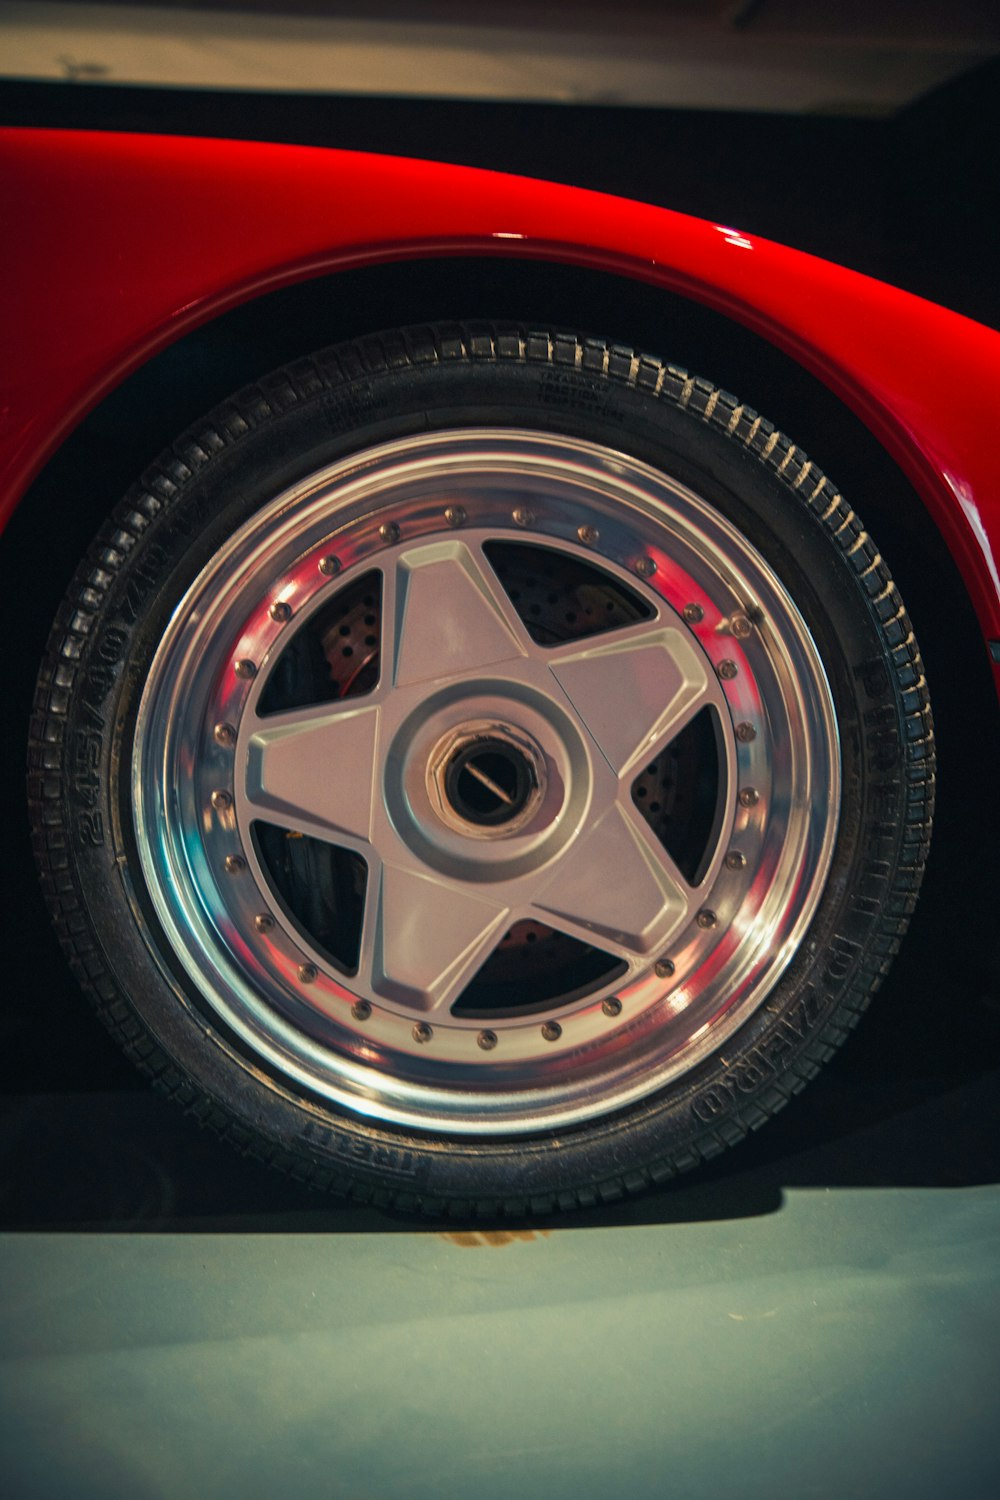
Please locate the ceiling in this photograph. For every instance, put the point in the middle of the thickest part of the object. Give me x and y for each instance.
(779, 56)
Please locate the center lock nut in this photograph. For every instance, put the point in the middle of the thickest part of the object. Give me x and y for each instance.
(486, 779)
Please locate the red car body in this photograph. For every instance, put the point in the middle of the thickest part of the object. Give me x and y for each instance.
(125, 243)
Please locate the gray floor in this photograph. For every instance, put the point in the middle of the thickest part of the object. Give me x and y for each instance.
(844, 1345)
(176, 1321)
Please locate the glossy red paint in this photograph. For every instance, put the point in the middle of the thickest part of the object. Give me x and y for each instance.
(123, 243)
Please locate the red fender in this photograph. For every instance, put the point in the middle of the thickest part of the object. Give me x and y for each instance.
(117, 245)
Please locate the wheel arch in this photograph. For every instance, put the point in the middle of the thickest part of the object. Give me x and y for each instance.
(183, 378)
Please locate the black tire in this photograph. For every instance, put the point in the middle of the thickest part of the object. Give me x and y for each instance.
(794, 643)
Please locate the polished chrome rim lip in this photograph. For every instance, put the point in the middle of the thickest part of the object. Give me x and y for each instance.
(621, 1043)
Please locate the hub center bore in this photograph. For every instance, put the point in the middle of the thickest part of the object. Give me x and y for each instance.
(488, 782)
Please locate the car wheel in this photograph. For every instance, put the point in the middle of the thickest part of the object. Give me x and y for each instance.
(481, 768)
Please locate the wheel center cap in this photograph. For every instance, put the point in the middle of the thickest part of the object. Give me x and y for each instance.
(486, 780)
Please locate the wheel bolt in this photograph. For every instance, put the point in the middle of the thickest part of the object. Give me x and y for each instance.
(422, 1032)
(307, 973)
(693, 613)
(487, 1040)
(221, 801)
(735, 860)
(588, 534)
(455, 515)
(225, 734)
(739, 626)
(552, 1031)
(245, 669)
(727, 670)
(745, 733)
(663, 968)
(361, 1010)
(645, 567)
(749, 797)
(389, 532)
(263, 922)
(234, 864)
(329, 566)
(523, 516)
(612, 1006)
(706, 918)
(281, 612)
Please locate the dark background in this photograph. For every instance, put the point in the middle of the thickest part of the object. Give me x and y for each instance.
(913, 1098)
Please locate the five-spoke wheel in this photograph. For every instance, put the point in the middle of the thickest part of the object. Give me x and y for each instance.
(487, 780)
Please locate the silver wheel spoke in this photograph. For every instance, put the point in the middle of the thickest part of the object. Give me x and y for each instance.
(616, 890)
(313, 770)
(636, 691)
(424, 938)
(445, 615)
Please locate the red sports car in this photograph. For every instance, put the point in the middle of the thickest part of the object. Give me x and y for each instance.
(480, 764)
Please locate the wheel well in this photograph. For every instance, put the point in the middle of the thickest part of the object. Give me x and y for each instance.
(114, 443)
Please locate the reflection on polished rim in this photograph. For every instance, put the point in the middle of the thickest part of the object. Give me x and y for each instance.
(336, 893)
